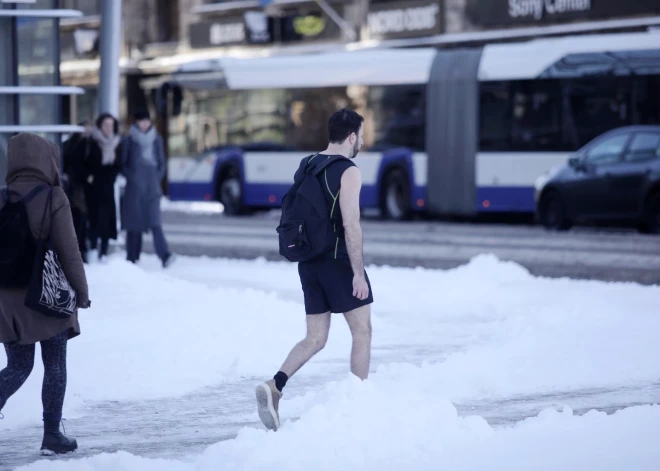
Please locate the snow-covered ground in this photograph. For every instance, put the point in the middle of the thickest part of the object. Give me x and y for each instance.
(449, 348)
(192, 207)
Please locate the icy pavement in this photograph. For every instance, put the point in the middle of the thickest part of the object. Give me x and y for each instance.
(480, 367)
(612, 254)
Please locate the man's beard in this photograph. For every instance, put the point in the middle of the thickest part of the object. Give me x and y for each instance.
(356, 149)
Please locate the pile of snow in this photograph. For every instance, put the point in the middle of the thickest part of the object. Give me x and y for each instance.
(149, 335)
(485, 330)
(192, 207)
(384, 425)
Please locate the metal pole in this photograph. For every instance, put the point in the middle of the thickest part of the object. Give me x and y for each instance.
(59, 119)
(334, 16)
(109, 44)
(109, 76)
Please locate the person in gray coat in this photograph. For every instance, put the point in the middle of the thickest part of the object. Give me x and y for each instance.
(34, 161)
(143, 165)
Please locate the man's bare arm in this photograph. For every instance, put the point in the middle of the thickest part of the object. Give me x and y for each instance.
(349, 202)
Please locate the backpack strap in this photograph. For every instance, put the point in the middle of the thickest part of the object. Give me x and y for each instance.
(325, 164)
(6, 193)
(48, 209)
(35, 191)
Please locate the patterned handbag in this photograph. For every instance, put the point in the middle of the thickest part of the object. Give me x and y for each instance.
(49, 291)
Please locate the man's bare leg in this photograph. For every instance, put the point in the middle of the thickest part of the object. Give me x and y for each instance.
(269, 393)
(318, 328)
(359, 321)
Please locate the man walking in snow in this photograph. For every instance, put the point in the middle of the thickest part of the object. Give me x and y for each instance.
(335, 281)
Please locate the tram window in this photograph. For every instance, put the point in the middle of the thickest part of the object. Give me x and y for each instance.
(536, 116)
(495, 117)
(595, 106)
(257, 116)
(399, 116)
(309, 110)
(646, 100)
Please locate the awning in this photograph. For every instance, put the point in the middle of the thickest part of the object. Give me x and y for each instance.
(46, 90)
(41, 13)
(41, 128)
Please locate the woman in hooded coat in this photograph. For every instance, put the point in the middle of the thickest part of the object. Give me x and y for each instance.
(34, 161)
(104, 164)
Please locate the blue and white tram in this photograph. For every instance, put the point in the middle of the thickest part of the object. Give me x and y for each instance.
(447, 131)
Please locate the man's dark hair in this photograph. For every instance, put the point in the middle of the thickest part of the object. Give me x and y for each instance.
(342, 123)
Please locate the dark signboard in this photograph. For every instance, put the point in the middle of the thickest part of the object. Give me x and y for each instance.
(255, 27)
(311, 25)
(404, 19)
(512, 12)
(252, 27)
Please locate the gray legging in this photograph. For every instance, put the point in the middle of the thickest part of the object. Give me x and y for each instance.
(20, 360)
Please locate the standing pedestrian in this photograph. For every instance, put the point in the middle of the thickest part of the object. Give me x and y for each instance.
(334, 281)
(33, 172)
(104, 164)
(143, 165)
(76, 170)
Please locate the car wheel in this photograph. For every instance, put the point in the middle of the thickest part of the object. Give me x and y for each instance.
(395, 201)
(553, 214)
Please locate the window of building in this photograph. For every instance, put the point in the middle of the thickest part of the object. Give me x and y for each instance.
(36, 50)
(88, 7)
(37, 5)
(3, 158)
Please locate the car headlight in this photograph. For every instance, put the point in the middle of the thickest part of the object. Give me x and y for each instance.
(541, 181)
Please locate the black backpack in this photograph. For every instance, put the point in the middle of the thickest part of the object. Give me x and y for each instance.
(306, 229)
(17, 245)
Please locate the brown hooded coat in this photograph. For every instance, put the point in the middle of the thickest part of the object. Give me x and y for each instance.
(33, 161)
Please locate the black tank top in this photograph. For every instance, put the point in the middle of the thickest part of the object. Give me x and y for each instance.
(330, 180)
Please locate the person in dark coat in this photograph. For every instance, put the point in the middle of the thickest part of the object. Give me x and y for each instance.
(143, 165)
(34, 161)
(76, 171)
(104, 165)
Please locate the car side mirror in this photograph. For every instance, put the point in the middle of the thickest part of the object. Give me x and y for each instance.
(575, 163)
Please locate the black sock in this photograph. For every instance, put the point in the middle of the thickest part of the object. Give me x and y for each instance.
(280, 380)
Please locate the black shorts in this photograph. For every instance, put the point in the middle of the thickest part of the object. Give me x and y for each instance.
(328, 286)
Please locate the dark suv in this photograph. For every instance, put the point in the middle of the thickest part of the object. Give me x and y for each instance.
(615, 177)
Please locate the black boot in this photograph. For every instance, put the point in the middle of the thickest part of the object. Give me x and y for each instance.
(54, 442)
(2, 404)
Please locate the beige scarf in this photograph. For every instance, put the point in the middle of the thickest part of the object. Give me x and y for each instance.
(107, 145)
